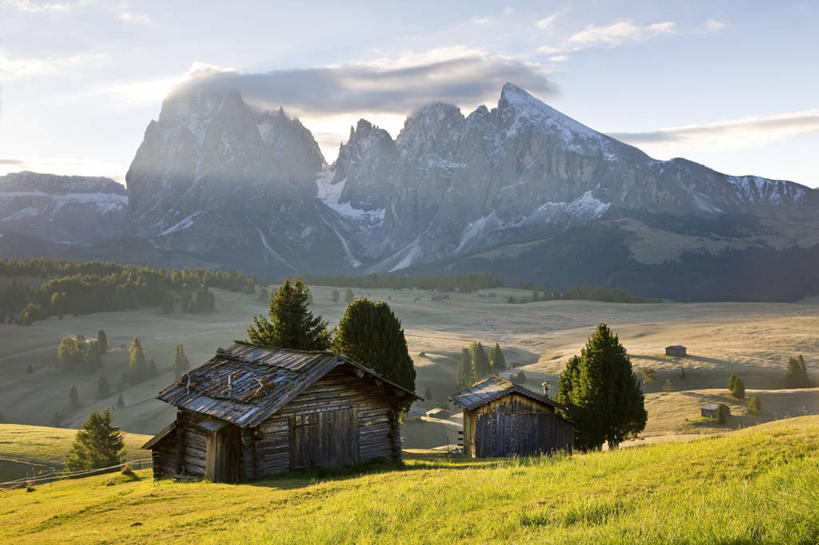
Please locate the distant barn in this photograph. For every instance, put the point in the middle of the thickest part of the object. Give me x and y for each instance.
(709, 410)
(504, 419)
(677, 351)
(253, 411)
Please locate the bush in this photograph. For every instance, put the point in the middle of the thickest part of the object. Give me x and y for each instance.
(754, 405)
(722, 414)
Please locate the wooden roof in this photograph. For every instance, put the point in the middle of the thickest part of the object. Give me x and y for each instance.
(492, 388)
(246, 383)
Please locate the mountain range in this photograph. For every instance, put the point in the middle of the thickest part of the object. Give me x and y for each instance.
(520, 190)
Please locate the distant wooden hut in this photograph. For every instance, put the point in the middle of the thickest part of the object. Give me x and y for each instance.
(709, 410)
(505, 419)
(437, 412)
(676, 350)
(252, 411)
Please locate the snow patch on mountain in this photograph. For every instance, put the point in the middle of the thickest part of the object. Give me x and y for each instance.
(330, 194)
(183, 224)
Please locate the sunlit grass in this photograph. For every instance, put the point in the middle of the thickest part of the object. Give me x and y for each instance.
(752, 486)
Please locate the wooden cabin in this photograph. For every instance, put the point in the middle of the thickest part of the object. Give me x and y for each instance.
(709, 410)
(252, 411)
(677, 351)
(505, 419)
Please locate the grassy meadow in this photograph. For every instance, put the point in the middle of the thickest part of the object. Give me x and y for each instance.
(752, 339)
(751, 486)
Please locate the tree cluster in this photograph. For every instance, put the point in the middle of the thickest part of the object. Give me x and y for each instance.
(98, 444)
(76, 353)
(476, 364)
(464, 283)
(796, 373)
(736, 386)
(579, 292)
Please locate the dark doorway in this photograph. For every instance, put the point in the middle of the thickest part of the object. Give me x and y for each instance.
(324, 439)
(223, 452)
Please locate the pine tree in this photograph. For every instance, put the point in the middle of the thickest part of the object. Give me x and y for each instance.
(349, 296)
(480, 361)
(722, 414)
(732, 380)
(180, 361)
(601, 393)
(137, 364)
(102, 341)
(466, 375)
(497, 359)
(754, 405)
(74, 396)
(335, 296)
(796, 373)
(291, 323)
(739, 389)
(371, 334)
(103, 387)
(667, 385)
(120, 402)
(98, 444)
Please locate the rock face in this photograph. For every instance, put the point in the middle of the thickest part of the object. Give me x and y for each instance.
(519, 189)
(62, 209)
(216, 178)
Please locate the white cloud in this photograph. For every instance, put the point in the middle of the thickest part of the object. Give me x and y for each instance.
(479, 20)
(712, 25)
(134, 17)
(559, 58)
(732, 134)
(547, 22)
(619, 32)
(46, 65)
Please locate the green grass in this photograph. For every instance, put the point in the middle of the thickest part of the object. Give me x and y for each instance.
(752, 486)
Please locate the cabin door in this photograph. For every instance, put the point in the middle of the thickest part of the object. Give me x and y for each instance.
(324, 439)
(222, 457)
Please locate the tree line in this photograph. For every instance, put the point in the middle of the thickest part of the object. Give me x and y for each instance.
(86, 287)
(578, 293)
(464, 283)
(476, 364)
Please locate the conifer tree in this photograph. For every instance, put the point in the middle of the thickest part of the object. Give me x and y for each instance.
(754, 405)
(137, 364)
(98, 444)
(466, 375)
(69, 357)
(601, 393)
(74, 396)
(371, 334)
(291, 324)
(796, 373)
(496, 359)
(102, 341)
(180, 361)
(335, 296)
(480, 361)
(349, 296)
(739, 389)
(120, 402)
(667, 385)
(732, 380)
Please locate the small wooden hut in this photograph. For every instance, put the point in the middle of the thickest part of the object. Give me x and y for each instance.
(676, 350)
(252, 411)
(709, 410)
(505, 419)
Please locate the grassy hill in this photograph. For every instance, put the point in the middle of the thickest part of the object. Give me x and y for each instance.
(25, 449)
(752, 486)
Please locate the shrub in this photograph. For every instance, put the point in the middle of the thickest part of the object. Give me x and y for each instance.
(722, 414)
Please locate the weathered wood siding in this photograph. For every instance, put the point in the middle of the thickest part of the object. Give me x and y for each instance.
(164, 457)
(375, 424)
(516, 425)
(192, 443)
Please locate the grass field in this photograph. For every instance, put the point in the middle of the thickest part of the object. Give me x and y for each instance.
(752, 339)
(750, 486)
(26, 449)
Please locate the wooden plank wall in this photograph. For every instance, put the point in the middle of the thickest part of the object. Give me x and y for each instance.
(378, 428)
(164, 457)
(191, 442)
(518, 425)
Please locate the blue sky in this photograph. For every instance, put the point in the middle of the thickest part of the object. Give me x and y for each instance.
(732, 84)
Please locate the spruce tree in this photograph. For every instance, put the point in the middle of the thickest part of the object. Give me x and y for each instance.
(291, 324)
(371, 334)
(667, 385)
(349, 296)
(601, 393)
(732, 380)
(497, 359)
(137, 364)
(98, 444)
(739, 389)
(796, 373)
(754, 405)
(74, 396)
(480, 361)
(335, 296)
(180, 361)
(102, 341)
(120, 402)
(466, 375)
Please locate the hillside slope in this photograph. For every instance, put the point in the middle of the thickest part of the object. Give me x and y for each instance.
(752, 486)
